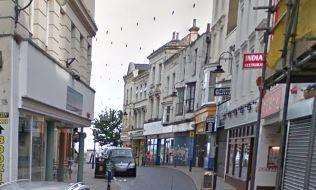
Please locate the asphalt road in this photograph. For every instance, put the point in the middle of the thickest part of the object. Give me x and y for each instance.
(152, 178)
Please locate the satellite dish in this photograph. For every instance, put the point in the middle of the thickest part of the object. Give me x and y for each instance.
(62, 2)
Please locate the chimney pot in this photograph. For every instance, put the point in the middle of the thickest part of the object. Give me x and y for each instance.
(208, 28)
(194, 22)
(173, 35)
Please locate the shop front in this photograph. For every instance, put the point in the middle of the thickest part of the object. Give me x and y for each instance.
(300, 157)
(40, 120)
(201, 119)
(240, 125)
(138, 145)
(169, 145)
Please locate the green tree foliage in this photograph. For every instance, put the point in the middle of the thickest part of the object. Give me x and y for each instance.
(107, 127)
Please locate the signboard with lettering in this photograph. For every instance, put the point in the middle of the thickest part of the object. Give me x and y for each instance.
(223, 91)
(74, 101)
(253, 60)
(4, 124)
(272, 101)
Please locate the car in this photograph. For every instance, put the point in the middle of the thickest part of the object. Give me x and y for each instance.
(42, 185)
(120, 161)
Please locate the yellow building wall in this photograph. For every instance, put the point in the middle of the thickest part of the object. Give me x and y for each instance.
(306, 29)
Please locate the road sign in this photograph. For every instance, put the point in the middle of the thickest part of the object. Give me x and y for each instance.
(253, 60)
(224, 91)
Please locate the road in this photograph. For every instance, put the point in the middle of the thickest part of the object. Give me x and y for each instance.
(154, 178)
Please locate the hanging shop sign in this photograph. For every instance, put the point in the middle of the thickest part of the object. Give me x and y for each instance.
(272, 101)
(224, 91)
(253, 60)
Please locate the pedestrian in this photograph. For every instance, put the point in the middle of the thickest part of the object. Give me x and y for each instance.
(147, 158)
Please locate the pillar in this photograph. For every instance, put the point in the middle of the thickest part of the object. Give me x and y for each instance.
(81, 156)
(49, 171)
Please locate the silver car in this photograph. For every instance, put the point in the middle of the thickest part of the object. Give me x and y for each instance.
(120, 161)
(42, 185)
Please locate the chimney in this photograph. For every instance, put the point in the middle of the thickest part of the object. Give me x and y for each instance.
(208, 28)
(177, 36)
(194, 31)
(173, 36)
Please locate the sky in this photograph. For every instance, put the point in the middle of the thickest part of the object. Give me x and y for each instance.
(128, 31)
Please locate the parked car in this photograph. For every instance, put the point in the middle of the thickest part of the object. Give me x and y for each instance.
(120, 161)
(42, 185)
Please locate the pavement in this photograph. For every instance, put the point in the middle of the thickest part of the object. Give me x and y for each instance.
(88, 179)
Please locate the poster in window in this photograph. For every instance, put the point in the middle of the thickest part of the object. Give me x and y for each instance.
(273, 155)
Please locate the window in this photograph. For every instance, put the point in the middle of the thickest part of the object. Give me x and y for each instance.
(159, 73)
(31, 151)
(211, 87)
(180, 103)
(236, 76)
(145, 90)
(168, 85)
(239, 155)
(195, 60)
(131, 94)
(190, 97)
(232, 15)
(136, 93)
(183, 73)
(126, 96)
(173, 81)
(153, 75)
(168, 114)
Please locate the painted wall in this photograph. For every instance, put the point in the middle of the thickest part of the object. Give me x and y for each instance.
(45, 81)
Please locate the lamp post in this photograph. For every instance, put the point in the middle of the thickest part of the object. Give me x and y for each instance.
(218, 71)
(94, 141)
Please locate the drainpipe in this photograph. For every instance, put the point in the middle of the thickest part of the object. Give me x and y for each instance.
(81, 156)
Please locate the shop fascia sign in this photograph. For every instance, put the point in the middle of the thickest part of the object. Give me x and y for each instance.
(253, 60)
(223, 91)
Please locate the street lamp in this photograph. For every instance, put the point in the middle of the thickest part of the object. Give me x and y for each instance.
(219, 69)
(94, 141)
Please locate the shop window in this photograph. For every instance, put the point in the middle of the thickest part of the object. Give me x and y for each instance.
(238, 160)
(245, 160)
(24, 148)
(32, 135)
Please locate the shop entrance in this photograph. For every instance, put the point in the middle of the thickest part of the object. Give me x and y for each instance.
(201, 141)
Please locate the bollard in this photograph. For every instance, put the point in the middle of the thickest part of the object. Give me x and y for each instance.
(190, 165)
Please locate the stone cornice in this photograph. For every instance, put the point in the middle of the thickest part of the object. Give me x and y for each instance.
(83, 15)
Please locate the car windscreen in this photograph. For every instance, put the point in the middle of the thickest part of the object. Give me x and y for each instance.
(121, 153)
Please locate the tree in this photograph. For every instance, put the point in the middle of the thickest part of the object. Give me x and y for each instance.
(107, 127)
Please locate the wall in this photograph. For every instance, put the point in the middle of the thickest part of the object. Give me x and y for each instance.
(39, 74)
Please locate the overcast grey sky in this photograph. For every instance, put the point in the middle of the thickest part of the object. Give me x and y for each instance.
(155, 26)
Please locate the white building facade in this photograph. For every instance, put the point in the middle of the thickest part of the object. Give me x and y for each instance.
(45, 85)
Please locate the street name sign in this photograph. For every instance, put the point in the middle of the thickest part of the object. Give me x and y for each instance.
(223, 91)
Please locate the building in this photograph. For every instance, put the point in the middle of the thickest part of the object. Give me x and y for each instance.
(296, 155)
(135, 108)
(234, 35)
(45, 69)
